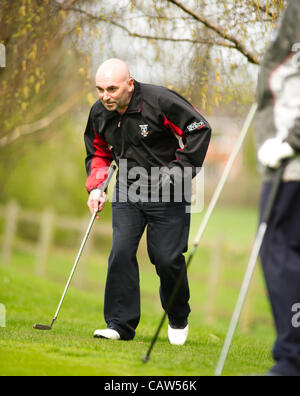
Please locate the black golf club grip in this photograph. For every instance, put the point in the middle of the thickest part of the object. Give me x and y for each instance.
(274, 192)
(108, 179)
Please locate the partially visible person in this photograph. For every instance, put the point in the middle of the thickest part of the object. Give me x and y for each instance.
(278, 133)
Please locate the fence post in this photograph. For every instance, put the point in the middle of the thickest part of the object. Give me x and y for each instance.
(44, 244)
(2, 315)
(217, 256)
(10, 229)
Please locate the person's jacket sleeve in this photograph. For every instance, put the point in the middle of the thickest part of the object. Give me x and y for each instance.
(282, 57)
(186, 122)
(291, 25)
(98, 159)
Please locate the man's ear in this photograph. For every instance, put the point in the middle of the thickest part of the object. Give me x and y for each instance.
(131, 85)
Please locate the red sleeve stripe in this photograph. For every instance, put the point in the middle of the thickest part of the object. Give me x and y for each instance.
(174, 128)
(196, 109)
(100, 163)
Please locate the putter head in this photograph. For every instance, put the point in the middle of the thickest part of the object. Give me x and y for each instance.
(145, 359)
(42, 327)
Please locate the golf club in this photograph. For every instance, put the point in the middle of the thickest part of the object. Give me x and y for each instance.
(205, 221)
(104, 187)
(250, 269)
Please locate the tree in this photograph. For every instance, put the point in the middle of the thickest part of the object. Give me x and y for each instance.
(176, 35)
(231, 21)
(208, 42)
(206, 49)
(36, 86)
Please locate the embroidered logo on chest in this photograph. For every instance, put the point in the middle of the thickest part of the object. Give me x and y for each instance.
(144, 130)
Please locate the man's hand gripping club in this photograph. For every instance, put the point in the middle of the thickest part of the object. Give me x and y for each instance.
(96, 201)
(97, 197)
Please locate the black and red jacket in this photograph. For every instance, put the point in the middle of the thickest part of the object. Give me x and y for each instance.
(147, 135)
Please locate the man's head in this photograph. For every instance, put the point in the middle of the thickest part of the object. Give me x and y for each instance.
(114, 84)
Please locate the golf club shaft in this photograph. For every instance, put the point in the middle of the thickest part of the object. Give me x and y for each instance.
(169, 306)
(250, 271)
(241, 298)
(76, 263)
(104, 187)
(226, 173)
(206, 219)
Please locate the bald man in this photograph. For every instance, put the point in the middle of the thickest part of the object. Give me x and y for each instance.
(156, 138)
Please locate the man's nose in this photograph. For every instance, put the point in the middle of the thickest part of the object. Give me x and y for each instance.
(106, 96)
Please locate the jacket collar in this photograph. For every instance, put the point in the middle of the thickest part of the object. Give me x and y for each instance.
(136, 103)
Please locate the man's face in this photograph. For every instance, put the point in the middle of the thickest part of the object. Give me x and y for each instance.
(115, 94)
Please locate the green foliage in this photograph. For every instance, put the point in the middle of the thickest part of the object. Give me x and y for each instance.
(28, 39)
(42, 68)
(50, 173)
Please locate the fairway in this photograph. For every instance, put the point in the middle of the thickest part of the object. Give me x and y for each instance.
(120, 119)
(70, 350)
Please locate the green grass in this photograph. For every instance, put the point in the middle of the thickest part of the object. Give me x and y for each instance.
(70, 350)
(237, 225)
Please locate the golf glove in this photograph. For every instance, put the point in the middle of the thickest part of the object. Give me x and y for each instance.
(273, 152)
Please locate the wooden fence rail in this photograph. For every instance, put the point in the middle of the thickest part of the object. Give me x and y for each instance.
(48, 222)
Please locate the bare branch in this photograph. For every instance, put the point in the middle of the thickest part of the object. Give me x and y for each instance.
(104, 18)
(41, 124)
(252, 58)
(266, 11)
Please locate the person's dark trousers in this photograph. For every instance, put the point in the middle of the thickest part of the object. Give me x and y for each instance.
(167, 239)
(280, 256)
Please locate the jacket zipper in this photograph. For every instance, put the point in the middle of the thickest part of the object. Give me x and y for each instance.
(122, 135)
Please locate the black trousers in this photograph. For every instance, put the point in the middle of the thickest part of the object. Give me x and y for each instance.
(280, 256)
(168, 226)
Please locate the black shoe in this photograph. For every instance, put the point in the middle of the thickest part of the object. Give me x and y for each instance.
(179, 325)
